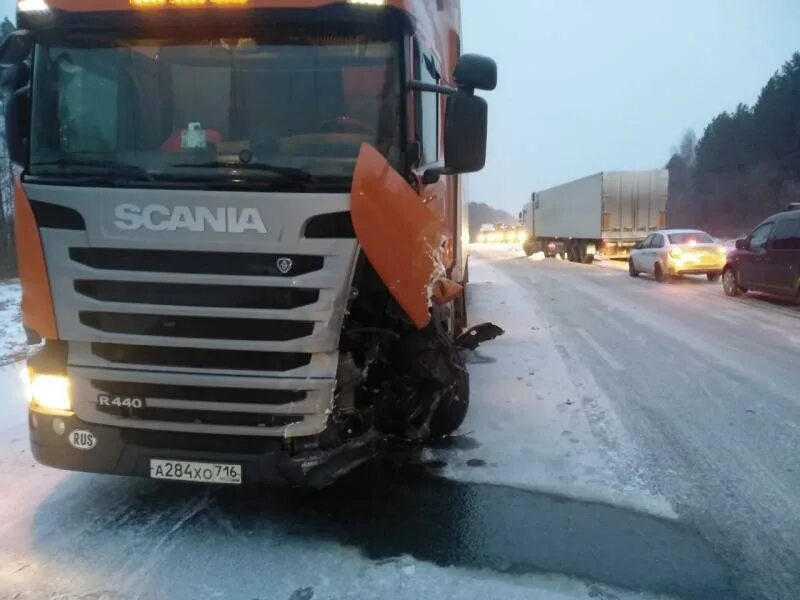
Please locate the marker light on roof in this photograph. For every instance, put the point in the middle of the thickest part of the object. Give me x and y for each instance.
(368, 2)
(32, 6)
(186, 3)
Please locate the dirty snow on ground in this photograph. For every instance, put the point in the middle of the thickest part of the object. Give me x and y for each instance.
(533, 422)
(12, 336)
(76, 536)
(71, 535)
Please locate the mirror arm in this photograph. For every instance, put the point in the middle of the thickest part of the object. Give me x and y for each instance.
(421, 86)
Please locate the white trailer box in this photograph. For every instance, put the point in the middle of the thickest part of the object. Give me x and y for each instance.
(607, 212)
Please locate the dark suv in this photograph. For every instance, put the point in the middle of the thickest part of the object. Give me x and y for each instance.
(768, 260)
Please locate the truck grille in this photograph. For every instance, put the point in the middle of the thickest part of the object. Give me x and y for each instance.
(234, 334)
(200, 394)
(199, 295)
(196, 262)
(200, 358)
(212, 328)
(201, 417)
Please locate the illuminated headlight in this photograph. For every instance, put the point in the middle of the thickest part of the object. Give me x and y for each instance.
(32, 6)
(522, 237)
(48, 393)
(368, 2)
(723, 250)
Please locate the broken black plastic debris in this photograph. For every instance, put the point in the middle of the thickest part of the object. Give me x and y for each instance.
(479, 334)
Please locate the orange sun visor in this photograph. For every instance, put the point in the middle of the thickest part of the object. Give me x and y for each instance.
(398, 233)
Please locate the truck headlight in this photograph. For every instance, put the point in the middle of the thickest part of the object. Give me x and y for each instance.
(522, 237)
(49, 393)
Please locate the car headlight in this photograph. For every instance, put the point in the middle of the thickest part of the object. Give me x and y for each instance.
(49, 393)
(675, 252)
(481, 238)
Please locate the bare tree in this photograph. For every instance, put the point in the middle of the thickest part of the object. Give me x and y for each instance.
(688, 148)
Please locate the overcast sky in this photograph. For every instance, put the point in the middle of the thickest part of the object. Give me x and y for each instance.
(591, 85)
(588, 86)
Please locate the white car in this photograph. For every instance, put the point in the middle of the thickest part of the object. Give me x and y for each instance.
(677, 252)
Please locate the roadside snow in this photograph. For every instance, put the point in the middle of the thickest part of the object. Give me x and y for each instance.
(12, 336)
(535, 422)
(153, 537)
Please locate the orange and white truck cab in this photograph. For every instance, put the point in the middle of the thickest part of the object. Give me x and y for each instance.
(239, 230)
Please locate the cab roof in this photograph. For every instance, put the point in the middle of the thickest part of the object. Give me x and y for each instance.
(435, 22)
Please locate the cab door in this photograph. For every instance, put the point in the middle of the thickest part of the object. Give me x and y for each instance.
(752, 262)
(782, 260)
(439, 192)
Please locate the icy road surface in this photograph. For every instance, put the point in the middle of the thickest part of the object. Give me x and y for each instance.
(626, 440)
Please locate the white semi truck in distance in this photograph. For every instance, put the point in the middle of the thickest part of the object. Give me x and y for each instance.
(605, 213)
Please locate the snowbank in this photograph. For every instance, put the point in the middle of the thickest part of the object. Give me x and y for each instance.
(12, 336)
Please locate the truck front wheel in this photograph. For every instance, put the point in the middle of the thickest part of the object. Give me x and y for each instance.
(452, 409)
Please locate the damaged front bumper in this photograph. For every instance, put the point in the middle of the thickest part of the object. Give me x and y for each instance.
(129, 452)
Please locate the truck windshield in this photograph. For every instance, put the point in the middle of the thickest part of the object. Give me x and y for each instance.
(214, 109)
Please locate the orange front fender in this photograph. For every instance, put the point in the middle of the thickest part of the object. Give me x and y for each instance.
(401, 237)
(37, 302)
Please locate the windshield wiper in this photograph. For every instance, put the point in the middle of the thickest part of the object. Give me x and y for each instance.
(115, 169)
(288, 172)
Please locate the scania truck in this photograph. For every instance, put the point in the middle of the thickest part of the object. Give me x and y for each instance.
(239, 229)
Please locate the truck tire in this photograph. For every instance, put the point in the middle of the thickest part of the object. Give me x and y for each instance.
(452, 410)
(572, 252)
(528, 249)
(580, 252)
(712, 277)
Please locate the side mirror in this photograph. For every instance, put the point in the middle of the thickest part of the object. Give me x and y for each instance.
(465, 132)
(741, 244)
(16, 48)
(476, 72)
(15, 77)
(18, 118)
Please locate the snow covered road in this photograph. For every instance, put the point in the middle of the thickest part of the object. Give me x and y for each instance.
(708, 389)
(625, 440)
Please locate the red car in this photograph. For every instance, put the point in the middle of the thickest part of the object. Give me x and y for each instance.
(768, 260)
